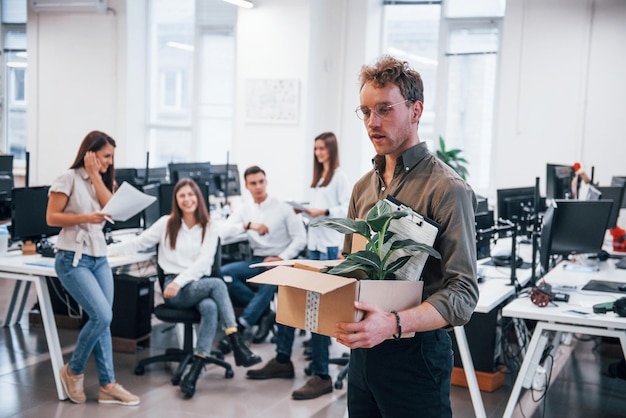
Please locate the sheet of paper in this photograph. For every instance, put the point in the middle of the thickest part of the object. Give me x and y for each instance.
(417, 228)
(127, 202)
(296, 205)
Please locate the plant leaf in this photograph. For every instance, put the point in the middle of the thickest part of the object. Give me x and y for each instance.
(366, 258)
(411, 245)
(349, 266)
(396, 264)
(344, 226)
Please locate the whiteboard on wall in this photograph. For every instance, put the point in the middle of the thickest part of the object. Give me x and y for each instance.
(272, 101)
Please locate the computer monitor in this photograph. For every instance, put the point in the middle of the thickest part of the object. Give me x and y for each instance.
(515, 203)
(615, 195)
(225, 180)
(166, 191)
(573, 227)
(559, 181)
(620, 181)
(155, 175)
(128, 175)
(6, 163)
(200, 172)
(153, 212)
(28, 218)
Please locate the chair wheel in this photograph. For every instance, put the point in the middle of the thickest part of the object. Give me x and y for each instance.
(139, 370)
(229, 374)
(175, 381)
(338, 385)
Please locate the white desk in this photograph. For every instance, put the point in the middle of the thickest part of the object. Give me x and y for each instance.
(493, 291)
(35, 269)
(555, 318)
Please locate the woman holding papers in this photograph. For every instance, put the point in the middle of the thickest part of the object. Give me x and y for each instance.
(329, 196)
(187, 245)
(75, 202)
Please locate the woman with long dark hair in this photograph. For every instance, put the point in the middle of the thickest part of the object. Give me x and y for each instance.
(187, 245)
(75, 203)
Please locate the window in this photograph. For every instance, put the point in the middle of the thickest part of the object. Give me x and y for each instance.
(192, 72)
(456, 52)
(15, 88)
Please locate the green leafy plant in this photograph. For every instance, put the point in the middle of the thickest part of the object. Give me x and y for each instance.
(452, 158)
(375, 260)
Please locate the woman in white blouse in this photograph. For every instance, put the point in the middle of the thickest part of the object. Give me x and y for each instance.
(187, 245)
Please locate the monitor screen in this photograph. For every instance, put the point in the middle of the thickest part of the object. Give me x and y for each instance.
(28, 219)
(615, 195)
(515, 203)
(200, 172)
(153, 212)
(165, 197)
(620, 181)
(573, 227)
(128, 175)
(155, 175)
(224, 183)
(559, 181)
(6, 163)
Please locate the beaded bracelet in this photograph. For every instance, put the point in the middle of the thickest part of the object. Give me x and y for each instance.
(397, 337)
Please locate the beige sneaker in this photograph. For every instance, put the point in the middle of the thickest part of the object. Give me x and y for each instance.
(117, 395)
(73, 385)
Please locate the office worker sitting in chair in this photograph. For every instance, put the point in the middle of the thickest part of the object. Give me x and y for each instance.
(275, 233)
(187, 246)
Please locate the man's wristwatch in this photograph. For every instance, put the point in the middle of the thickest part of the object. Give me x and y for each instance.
(327, 212)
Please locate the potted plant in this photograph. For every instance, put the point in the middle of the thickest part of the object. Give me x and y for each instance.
(452, 158)
(376, 260)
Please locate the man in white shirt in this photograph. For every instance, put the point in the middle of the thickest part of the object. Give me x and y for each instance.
(274, 232)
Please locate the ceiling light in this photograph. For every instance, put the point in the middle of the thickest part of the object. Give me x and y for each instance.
(179, 45)
(241, 3)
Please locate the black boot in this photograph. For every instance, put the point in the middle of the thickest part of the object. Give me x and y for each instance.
(243, 355)
(188, 385)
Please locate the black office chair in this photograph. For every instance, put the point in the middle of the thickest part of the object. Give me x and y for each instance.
(188, 317)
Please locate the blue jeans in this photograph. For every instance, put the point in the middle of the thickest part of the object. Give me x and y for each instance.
(90, 283)
(330, 254)
(319, 343)
(405, 378)
(254, 300)
(319, 348)
(209, 296)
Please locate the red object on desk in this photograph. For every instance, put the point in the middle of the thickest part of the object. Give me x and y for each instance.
(619, 239)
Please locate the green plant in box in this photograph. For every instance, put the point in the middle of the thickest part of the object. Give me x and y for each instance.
(375, 260)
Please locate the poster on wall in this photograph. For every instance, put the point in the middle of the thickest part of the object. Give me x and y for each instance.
(272, 101)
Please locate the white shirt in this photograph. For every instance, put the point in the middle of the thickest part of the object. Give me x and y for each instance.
(334, 197)
(84, 238)
(286, 236)
(191, 260)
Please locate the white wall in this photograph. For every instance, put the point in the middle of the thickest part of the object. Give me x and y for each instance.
(77, 83)
(561, 93)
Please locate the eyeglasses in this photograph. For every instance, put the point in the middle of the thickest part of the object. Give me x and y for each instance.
(381, 109)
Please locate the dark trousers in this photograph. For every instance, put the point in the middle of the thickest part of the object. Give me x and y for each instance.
(405, 378)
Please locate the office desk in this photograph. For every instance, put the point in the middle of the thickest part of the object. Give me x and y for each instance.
(35, 269)
(555, 318)
(493, 292)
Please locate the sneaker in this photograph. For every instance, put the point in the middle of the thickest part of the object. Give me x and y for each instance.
(117, 395)
(313, 388)
(73, 385)
(272, 370)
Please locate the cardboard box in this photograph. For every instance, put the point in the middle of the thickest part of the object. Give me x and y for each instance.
(315, 301)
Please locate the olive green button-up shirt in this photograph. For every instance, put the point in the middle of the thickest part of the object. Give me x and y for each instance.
(433, 189)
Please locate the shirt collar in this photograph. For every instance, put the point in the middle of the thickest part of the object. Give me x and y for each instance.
(82, 173)
(409, 158)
